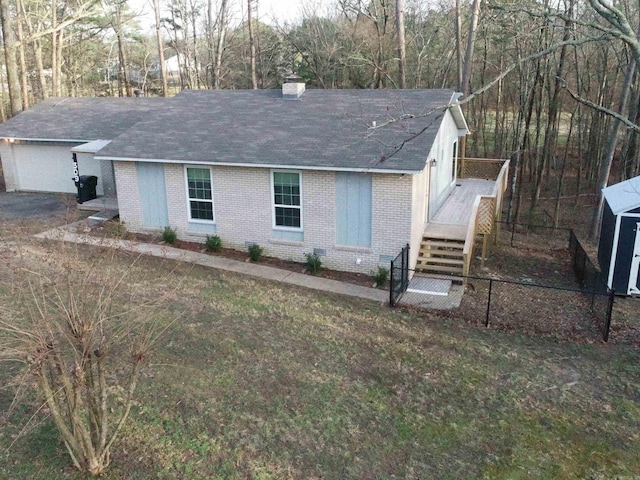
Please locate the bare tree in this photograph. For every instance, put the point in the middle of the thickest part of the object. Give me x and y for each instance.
(163, 67)
(11, 61)
(83, 331)
(468, 56)
(402, 50)
(252, 45)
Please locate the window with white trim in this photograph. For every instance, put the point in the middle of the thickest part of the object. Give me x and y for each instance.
(287, 200)
(200, 194)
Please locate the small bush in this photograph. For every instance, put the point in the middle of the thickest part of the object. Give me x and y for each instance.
(313, 262)
(255, 252)
(213, 243)
(380, 277)
(169, 235)
(117, 229)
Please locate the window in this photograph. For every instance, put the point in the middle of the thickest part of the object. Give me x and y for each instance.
(287, 205)
(200, 194)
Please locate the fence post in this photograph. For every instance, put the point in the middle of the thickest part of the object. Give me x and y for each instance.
(607, 323)
(406, 269)
(486, 322)
(391, 302)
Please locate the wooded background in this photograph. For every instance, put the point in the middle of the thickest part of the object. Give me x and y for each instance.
(553, 85)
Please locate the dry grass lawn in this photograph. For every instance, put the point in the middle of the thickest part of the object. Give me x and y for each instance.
(265, 381)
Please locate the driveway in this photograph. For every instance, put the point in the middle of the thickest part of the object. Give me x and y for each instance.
(18, 206)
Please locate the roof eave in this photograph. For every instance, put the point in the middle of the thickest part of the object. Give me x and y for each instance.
(260, 165)
(11, 139)
(458, 116)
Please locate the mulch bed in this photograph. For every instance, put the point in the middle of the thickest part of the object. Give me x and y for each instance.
(349, 277)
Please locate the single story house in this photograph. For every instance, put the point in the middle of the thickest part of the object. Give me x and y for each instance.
(619, 248)
(352, 175)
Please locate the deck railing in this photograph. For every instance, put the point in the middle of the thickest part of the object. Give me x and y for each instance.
(486, 212)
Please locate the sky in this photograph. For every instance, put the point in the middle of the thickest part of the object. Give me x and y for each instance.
(269, 11)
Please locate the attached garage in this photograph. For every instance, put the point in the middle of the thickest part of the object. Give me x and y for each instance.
(619, 248)
(37, 145)
(37, 167)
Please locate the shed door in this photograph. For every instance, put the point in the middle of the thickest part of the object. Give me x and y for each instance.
(634, 278)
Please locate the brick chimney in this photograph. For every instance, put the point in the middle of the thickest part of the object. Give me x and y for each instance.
(293, 87)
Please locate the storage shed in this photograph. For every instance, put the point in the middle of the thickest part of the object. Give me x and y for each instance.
(619, 248)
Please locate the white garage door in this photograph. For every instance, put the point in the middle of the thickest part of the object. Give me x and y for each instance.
(45, 168)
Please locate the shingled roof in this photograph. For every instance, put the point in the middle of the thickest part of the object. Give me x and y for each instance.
(78, 119)
(374, 130)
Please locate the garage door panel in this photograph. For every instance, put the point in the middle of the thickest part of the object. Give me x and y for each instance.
(44, 168)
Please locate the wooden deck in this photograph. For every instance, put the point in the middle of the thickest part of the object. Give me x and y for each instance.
(452, 220)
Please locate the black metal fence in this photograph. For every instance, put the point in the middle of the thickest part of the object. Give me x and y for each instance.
(538, 309)
(533, 303)
(399, 276)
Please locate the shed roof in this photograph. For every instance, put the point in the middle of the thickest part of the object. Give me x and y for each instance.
(374, 130)
(624, 196)
(78, 119)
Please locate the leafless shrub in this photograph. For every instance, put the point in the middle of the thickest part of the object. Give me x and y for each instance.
(82, 324)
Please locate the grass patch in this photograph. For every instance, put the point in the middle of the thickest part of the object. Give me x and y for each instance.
(267, 381)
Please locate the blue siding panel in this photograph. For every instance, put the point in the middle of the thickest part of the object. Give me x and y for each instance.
(153, 195)
(353, 209)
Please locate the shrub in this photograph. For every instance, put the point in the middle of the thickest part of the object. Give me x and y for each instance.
(255, 252)
(169, 235)
(213, 243)
(380, 277)
(117, 229)
(313, 262)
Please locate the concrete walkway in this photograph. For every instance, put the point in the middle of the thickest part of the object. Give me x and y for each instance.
(222, 263)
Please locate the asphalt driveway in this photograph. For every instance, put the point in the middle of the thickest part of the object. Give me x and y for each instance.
(17, 206)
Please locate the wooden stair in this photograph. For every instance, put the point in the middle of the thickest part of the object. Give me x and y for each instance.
(441, 256)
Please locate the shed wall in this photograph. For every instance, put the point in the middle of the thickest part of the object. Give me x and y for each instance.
(605, 246)
(624, 256)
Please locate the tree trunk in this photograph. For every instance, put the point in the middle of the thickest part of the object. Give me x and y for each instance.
(459, 43)
(551, 133)
(59, 58)
(605, 167)
(11, 64)
(222, 30)
(23, 64)
(54, 49)
(163, 67)
(468, 56)
(402, 51)
(252, 45)
(123, 81)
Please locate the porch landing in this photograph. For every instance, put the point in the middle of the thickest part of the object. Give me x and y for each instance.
(452, 220)
(100, 203)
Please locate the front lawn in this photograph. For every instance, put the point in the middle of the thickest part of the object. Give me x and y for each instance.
(267, 381)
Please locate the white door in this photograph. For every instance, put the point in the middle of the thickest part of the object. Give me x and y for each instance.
(634, 288)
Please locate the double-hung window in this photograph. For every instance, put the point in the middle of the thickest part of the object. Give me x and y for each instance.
(287, 200)
(200, 194)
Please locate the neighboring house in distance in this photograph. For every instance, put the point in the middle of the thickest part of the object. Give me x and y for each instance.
(352, 175)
